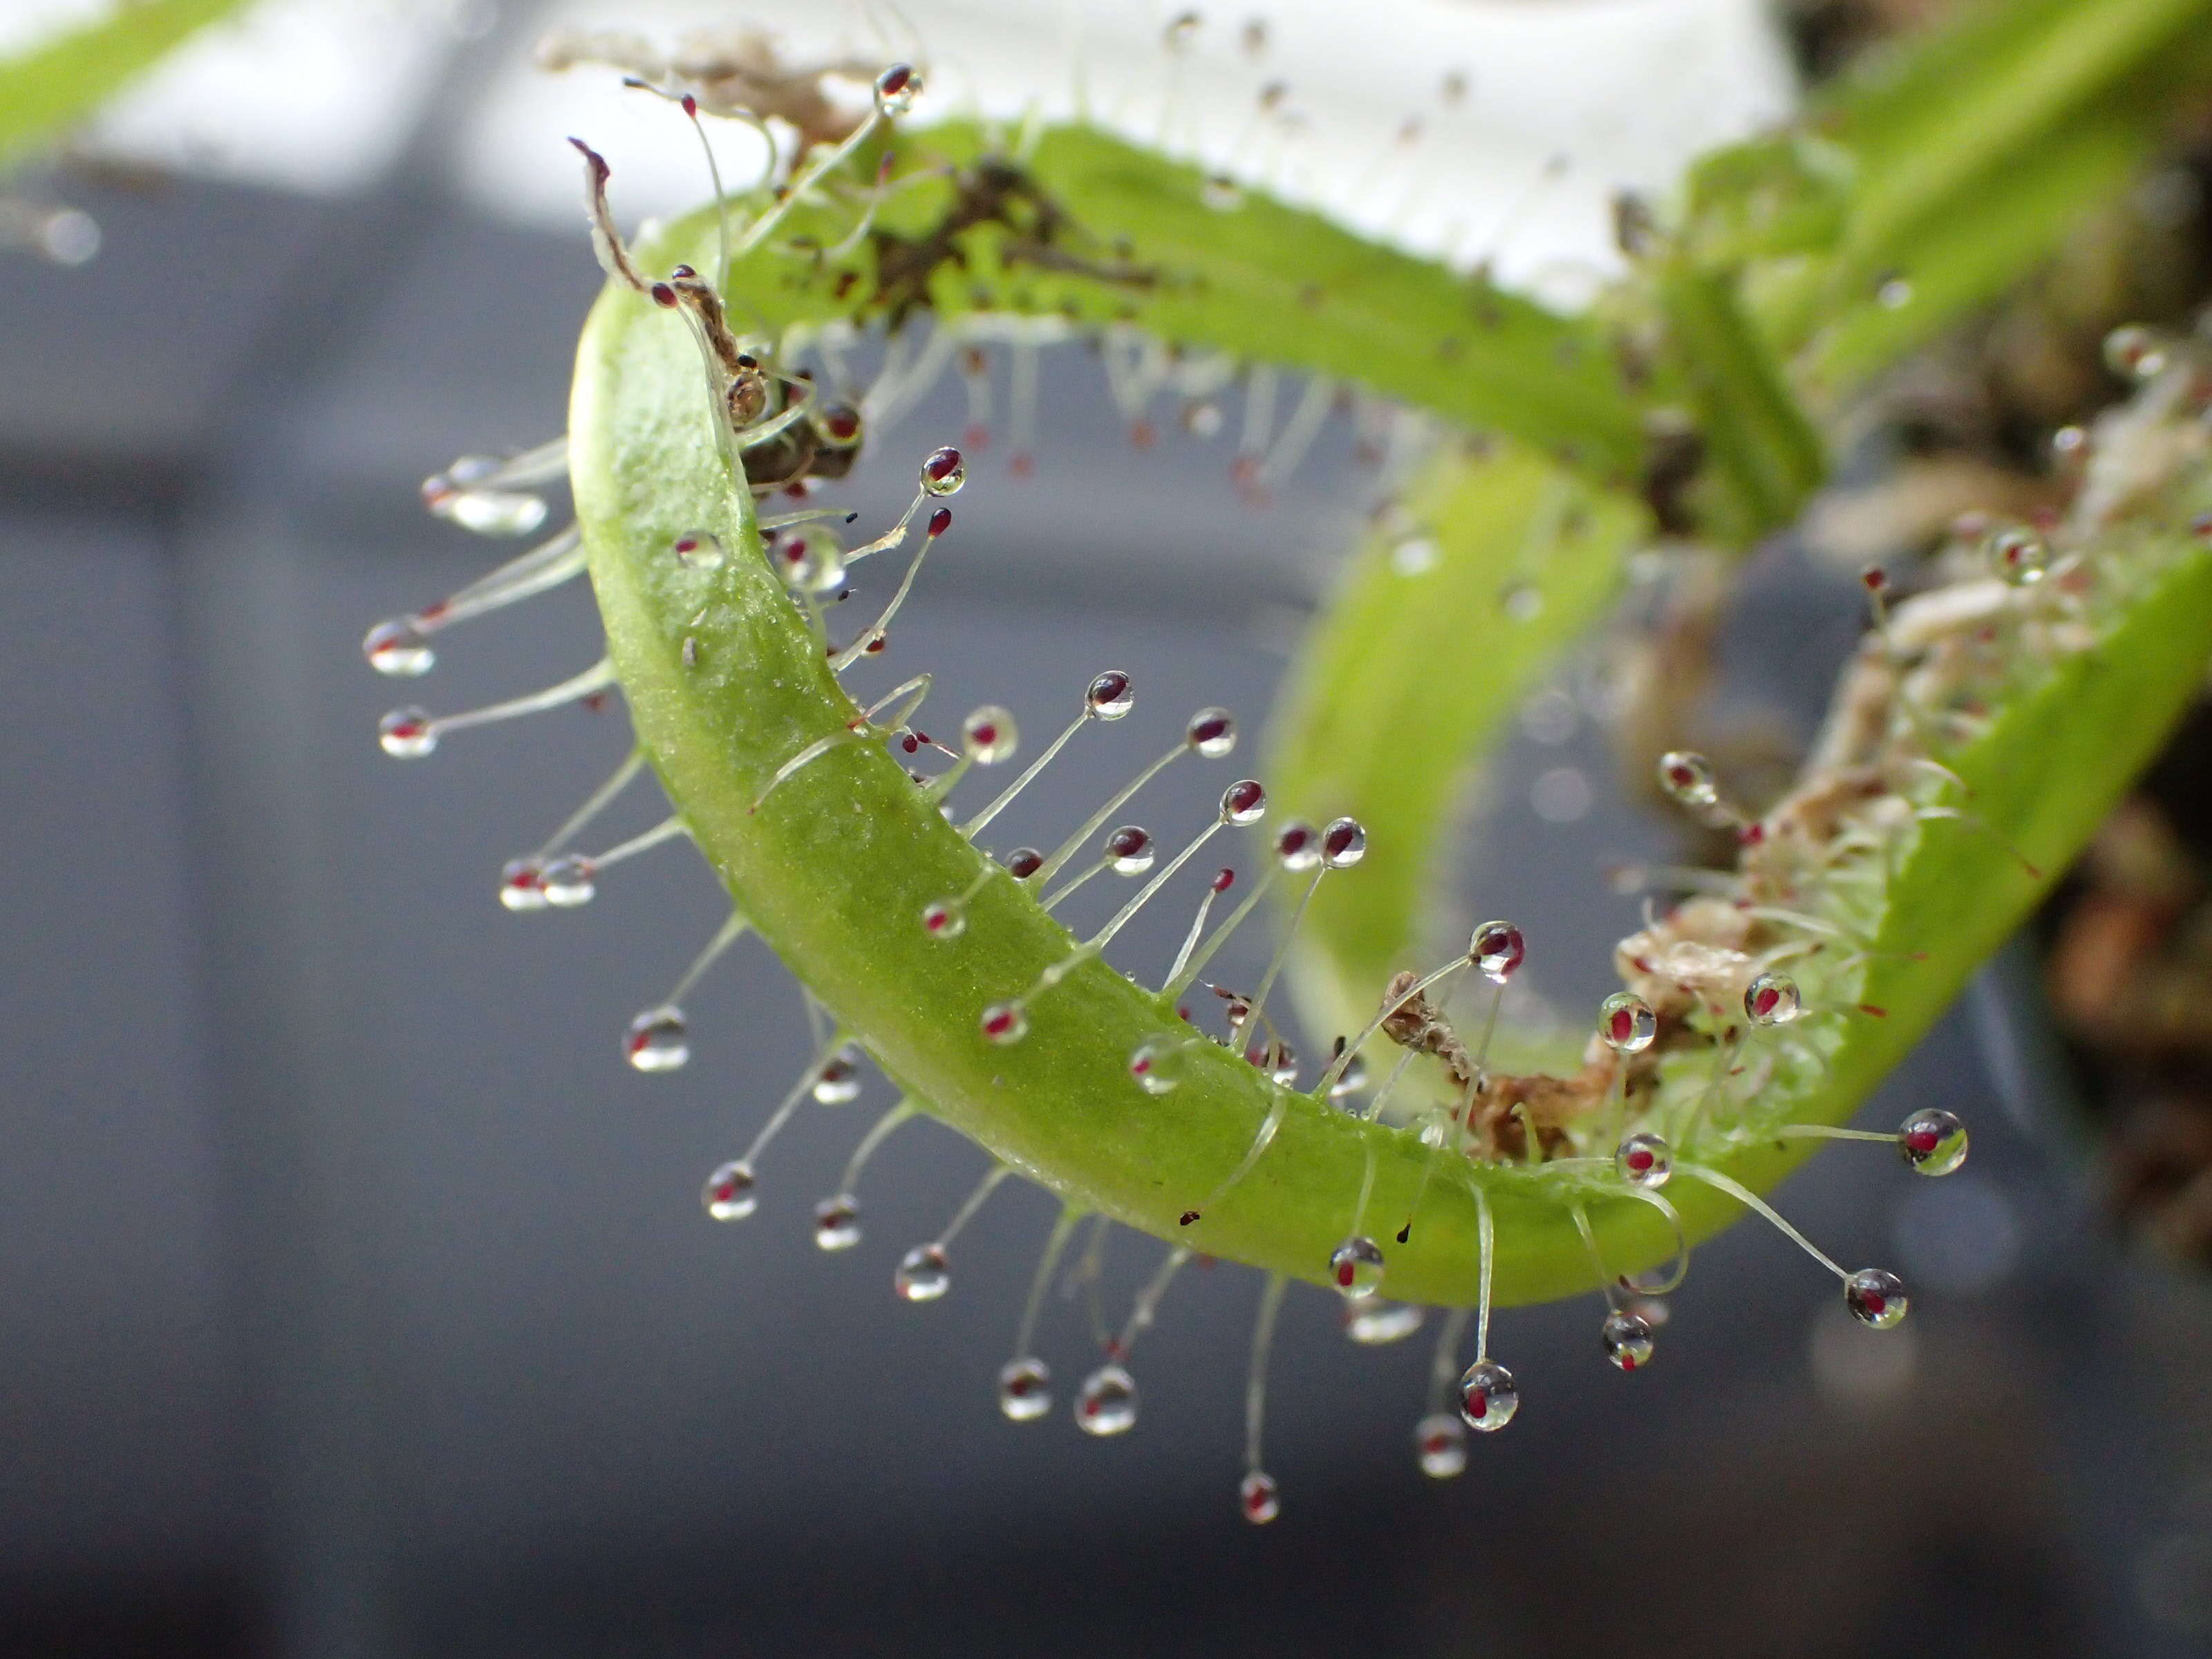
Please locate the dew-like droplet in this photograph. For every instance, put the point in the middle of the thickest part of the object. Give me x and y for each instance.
(1006, 1022)
(1285, 1071)
(944, 918)
(1243, 802)
(1355, 1267)
(1688, 778)
(1440, 1442)
(1297, 846)
(837, 426)
(1497, 951)
(1344, 844)
(1110, 696)
(1487, 1398)
(701, 549)
(897, 89)
(2136, 353)
(487, 511)
(570, 880)
(1024, 1389)
(1877, 1298)
(1771, 999)
(397, 648)
(657, 1040)
(1626, 1339)
(1351, 1079)
(838, 1082)
(1375, 1323)
(923, 1274)
(522, 885)
(1222, 193)
(1212, 732)
(1256, 1493)
(1933, 1141)
(944, 472)
(1107, 1403)
(1023, 862)
(989, 735)
(1645, 1160)
(1158, 1064)
(406, 734)
(1129, 850)
(2019, 556)
(837, 1222)
(812, 563)
(728, 1193)
(1626, 1023)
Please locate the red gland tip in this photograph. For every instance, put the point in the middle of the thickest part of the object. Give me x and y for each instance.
(939, 522)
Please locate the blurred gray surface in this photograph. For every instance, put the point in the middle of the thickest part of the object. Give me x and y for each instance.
(358, 1299)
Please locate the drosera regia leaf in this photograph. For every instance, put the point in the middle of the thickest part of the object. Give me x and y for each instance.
(834, 860)
(66, 78)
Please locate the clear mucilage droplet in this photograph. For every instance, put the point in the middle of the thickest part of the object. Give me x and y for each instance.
(1110, 696)
(1497, 951)
(1211, 734)
(522, 885)
(1257, 1496)
(1374, 1323)
(1129, 850)
(1157, 1065)
(1771, 999)
(2136, 353)
(487, 511)
(1107, 1403)
(728, 1195)
(1875, 1298)
(1626, 1341)
(1351, 1079)
(406, 734)
(1024, 1390)
(944, 918)
(1645, 1160)
(1355, 1267)
(2018, 556)
(1297, 847)
(838, 1082)
(989, 735)
(1243, 802)
(944, 472)
(812, 560)
(701, 549)
(1487, 1398)
(1626, 1023)
(568, 881)
(837, 1222)
(1933, 1141)
(923, 1274)
(1687, 778)
(1343, 843)
(1440, 1443)
(1006, 1022)
(397, 648)
(895, 89)
(657, 1041)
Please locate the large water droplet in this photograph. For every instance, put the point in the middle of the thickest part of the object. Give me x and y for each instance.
(1933, 1141)
(1107, 1402)
(489, 512)
(1875, 1298)
(657, 1041)
(1626, 1339)
(2136, 353)
(1157, 1065)
(569, 881)
(1024, 1389)
(1497, 951)
(1110, 696)
(837, 1222)
(1645, 1160)
(989, 735)
(1297, 847)
(397, 648)
(1243, 802)
(944, 472)
(1129, 850)
(1212, 732)
(813, 562)
(1006, 1022)
(701, 549)
(2019, 556)
(1440, 1442)
(1771, 999)
(944, 918)
(407, 733)
(728, 1193)
(1487, 1398)
(923, 1274)
(1626, 1022)
(838, 1082)
(1355, 1267)
(1344, 844)
(1256, 1493)
(1374, 1323)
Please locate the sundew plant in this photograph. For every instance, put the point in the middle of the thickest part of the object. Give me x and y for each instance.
(1396, 1143)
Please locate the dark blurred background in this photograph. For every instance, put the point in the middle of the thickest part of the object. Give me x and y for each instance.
(357, 1300)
